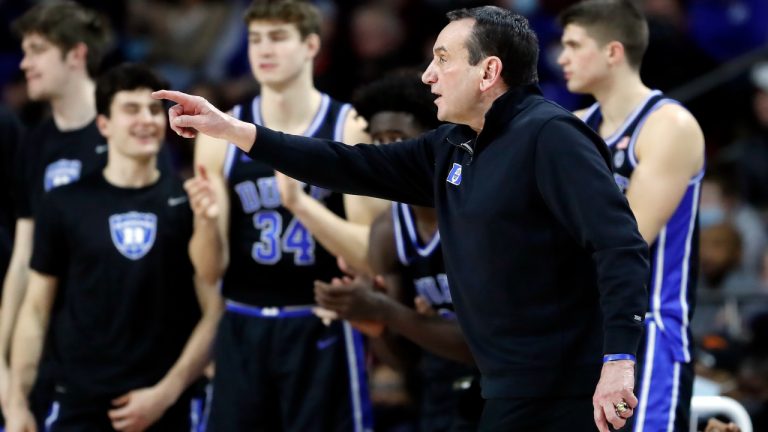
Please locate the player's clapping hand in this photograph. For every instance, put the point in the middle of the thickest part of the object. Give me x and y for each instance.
(350, 299)
(137, 410)
(291, 190)
(202, 197)
(617, 383)
(423, 306)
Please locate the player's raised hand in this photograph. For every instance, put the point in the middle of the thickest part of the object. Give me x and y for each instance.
(202, 197)
(193, 114)
(291, 190)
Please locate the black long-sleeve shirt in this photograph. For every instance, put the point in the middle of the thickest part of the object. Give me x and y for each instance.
(546, 266)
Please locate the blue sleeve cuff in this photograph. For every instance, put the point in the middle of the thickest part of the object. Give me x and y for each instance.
(615, 357)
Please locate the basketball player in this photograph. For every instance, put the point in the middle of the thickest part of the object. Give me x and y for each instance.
(658, 160)
(111, 273)
(405, 249)
(63, 44)
(277, 366)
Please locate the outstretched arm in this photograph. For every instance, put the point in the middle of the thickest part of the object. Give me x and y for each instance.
(401, 171)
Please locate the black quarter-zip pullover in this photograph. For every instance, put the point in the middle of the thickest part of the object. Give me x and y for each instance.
(545, 263)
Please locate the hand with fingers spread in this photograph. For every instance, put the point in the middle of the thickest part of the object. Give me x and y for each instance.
(614, 400)
(137, 410)
(193, 114)
(202, 198)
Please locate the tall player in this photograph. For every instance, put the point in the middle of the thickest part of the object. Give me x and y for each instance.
(658, 159)
(63, 44)
(277, 366)
(112, 275)
(404, 249)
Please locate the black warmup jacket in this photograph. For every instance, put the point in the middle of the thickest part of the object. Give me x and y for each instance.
(545, 263)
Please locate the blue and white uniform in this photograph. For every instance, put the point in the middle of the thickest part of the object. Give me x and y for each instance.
(447, 401)
(664, 363)
(278, 366)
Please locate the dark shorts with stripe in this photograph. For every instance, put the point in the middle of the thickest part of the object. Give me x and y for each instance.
(289, 373)
(664, 386)
(70, 416)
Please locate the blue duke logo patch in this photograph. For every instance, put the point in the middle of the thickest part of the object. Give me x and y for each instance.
(61, 172)
(133, 233)
(454, 177)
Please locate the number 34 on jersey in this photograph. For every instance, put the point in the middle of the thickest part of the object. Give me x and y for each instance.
(262, 198)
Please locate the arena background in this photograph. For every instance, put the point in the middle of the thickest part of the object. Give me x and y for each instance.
(710, 54)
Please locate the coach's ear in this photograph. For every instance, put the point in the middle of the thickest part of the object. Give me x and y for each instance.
(491, 72)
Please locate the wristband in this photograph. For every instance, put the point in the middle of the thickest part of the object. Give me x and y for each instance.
(614, 357)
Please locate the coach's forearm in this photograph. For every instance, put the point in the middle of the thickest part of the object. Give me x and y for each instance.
(240, 133)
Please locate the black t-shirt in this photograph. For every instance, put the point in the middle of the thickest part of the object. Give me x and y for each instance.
(125, 304)
(50, 158)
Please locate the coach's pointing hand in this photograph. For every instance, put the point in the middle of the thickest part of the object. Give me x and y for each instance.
(193, 114)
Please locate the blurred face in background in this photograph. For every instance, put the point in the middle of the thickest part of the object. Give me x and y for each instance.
(392, 126)
(46, 68)
(720, 251)
(583, 60)
(277, 53)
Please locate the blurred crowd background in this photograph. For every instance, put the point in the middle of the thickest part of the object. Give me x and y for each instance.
(710, 54)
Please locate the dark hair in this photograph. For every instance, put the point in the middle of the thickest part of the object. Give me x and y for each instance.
(66, 24)
(612, 20)
(401, 91)
(507, 35)
(304, 15)
(125, 77)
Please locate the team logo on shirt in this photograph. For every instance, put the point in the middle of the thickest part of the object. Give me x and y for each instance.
(61, 172)
(133, 233)
(454, 177)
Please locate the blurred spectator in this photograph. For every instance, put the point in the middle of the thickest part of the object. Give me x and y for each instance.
(721, 276)
(728, 28)
(750, 155)
(721, 201)
(183, 39)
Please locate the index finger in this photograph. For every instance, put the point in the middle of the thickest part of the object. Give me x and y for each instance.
(172, 95)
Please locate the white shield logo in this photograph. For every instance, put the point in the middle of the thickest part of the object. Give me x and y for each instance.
(133, 233)
(61, 172)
